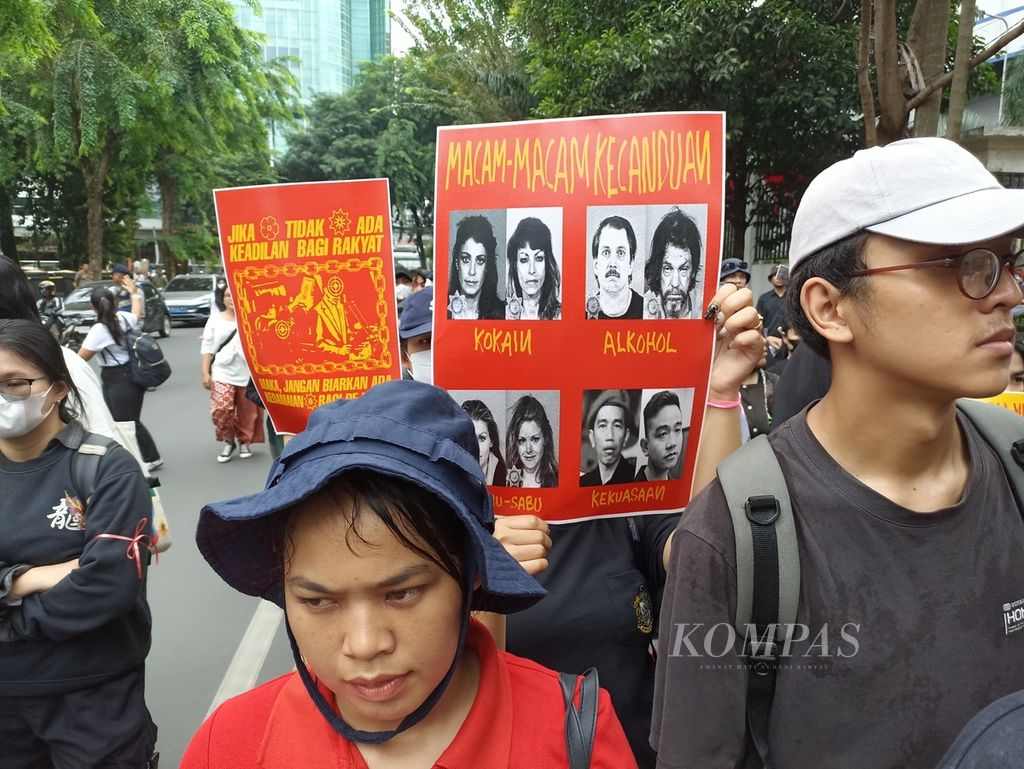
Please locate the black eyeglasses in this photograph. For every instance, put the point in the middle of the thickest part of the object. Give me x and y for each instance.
(17, 389)
(977, 270)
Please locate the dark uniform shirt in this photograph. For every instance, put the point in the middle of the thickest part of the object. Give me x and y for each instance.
(909, 619)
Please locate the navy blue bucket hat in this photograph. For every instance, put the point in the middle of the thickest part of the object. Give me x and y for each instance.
(409, 430)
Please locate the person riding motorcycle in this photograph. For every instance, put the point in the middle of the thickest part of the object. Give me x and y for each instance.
(50, 308)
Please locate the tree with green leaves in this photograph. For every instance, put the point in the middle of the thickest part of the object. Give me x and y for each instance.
(784, 73)
(384, 126)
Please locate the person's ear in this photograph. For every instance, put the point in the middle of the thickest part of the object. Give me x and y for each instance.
(827, 309)
(643, 446)
(593, 440)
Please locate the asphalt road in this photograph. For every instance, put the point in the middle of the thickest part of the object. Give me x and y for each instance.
(199, 623)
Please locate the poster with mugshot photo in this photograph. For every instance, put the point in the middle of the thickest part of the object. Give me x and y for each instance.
(534, 254)
(615, 258)
(674, 262)
(477, 266)
(611, 234)
(487, 410)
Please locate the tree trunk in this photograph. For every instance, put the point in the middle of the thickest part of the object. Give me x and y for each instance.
(418, 223)
(927, 38)
(94, 176)
(168, 206)
(961, 68)
(867, 95)
(736, 214)
(8, 245)
(892, 104)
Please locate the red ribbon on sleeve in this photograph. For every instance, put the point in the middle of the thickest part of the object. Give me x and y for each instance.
(132, 551)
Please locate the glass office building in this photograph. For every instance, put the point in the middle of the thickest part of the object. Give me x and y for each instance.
(327, 38)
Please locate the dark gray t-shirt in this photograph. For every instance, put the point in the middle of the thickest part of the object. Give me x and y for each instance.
(911, 621)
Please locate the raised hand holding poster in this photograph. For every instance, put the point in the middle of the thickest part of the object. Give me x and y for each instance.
(311, 270)
(573, 261)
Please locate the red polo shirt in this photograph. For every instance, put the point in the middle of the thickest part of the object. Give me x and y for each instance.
(517, 722)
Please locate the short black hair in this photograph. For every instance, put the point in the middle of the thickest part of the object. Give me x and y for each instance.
(616, 223)
(17, 300)
(419, 520)
(837, 264)
(657, 402)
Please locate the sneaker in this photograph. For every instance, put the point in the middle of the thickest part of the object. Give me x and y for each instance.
(156, 464)
(244, 452)
(226, 452)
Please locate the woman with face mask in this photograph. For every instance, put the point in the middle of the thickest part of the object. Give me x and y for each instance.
(74, 622)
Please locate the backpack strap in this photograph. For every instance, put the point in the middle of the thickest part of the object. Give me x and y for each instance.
(581, 722)
(85, 464)
(767, 573)
(1003, 430)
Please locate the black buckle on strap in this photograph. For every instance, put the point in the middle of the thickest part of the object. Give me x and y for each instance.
(1017, 452)
(763, 510)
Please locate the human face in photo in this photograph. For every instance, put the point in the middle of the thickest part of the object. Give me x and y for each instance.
(530, 267)
(664, 438)
(914, 331)
(376, 623)
(675, 280)
(608, 435)
(472, 265)
(530, 445)
(614, 263)
(483, 437)
(1016, 373)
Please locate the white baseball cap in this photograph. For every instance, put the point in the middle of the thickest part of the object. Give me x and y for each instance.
(923, 190)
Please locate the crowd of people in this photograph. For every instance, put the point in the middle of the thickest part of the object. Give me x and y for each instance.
(426, 631)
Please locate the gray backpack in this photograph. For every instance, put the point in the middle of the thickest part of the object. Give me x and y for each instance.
(768, 556)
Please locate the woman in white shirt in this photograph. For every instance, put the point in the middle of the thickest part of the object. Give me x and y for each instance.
(237, 421)
(107, 339)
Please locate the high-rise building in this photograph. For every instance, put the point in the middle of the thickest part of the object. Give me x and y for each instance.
(327, 38)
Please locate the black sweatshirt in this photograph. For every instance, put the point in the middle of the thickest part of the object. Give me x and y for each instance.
(94, 625)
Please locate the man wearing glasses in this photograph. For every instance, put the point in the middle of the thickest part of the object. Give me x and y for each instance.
(910, 541)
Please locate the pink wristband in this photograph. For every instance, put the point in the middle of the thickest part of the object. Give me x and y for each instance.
(724, 404)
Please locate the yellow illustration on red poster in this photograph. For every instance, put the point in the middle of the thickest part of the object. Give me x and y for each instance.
(1009, 400)
(310, 266)
(574, 260)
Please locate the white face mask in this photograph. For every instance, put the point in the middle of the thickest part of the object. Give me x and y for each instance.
(18, 418)
(402, 292)
(422, 367)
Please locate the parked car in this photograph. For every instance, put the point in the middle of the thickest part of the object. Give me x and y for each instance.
(79, 316)
(190, 297)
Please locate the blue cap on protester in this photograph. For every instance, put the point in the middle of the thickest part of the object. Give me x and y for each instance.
(409, 430)
(119, 268)
(417, 314)
(731, 267)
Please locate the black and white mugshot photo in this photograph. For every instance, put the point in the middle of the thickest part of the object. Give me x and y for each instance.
(664, 433)
(615, 274)
(476, 269)
(534, 256)
(609, 449)
(674, 264)
(487, 410)
(531, 443)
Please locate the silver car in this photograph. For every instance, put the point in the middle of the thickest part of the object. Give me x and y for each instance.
(189, 298)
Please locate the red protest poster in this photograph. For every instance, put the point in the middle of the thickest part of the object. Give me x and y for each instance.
(310, 267)
(573, 261)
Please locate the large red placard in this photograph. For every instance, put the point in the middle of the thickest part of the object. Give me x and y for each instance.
(311, 271)
(573, 261)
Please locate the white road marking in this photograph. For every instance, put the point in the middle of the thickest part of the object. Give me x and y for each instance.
(252, 652)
